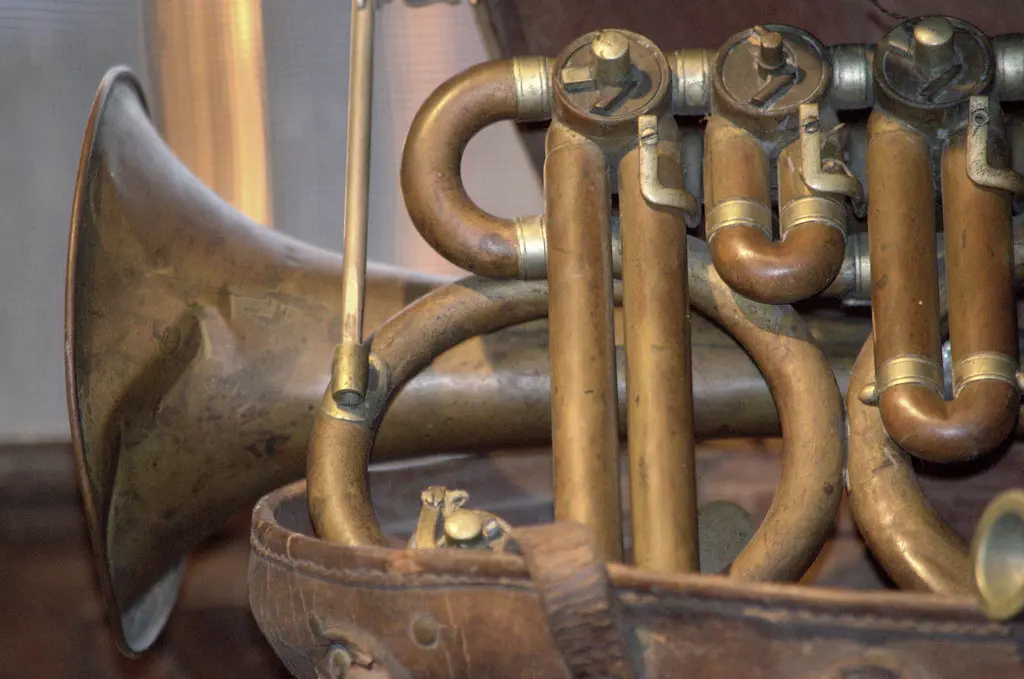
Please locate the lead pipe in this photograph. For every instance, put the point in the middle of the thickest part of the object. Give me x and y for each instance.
(905, 298)
(812, 225)
(431, 172)
(583, 396)
(662, 464)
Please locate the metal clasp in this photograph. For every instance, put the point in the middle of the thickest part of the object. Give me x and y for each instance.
(978, 168)
(651, 188)
(832, 176)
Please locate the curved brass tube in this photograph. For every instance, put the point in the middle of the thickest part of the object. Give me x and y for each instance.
(914, 545)
(801, 382)
(979, 260)
(339, 501)
(810, 253)
(431, 172)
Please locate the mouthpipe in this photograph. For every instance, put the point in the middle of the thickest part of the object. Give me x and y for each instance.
(979, 261)
(812, 225)
(431, 171)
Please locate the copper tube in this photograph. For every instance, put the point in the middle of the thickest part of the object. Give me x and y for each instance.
(339, 449)
(905, 294)
(431, 172)
(584, 434)
(997, 552)
(914, 545)
(809, 255)
(662, 465)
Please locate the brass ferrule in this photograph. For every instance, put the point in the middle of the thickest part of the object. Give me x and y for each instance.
(812, 210)
(532, 77)
(984, 365)
(739, 212)
(533, 250)
(349, 373)
(691, 80)
(908, 370)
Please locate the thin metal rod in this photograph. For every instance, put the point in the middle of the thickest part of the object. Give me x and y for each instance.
(348, 379)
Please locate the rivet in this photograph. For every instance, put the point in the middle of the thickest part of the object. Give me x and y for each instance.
(424, 630)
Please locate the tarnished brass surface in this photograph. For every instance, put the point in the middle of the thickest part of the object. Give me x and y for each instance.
(663, 482)
(584, 434)
(917, 549)
(431, 172)
(982, 314)
(807, 498)
(811, 251)
(184, 380)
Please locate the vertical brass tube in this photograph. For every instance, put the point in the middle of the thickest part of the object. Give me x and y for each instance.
(663, 489)
(736, 182)
(905, 297)
(583, 393)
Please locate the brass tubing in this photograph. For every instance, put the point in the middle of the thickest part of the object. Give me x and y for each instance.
(809, 255)
(905, 297)
(807, 498)
(431, 172)
(914, 545)
(584, 433)
(662, 465)
(339, 449)
(806, 501)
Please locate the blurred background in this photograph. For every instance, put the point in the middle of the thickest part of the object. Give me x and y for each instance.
(252, 96)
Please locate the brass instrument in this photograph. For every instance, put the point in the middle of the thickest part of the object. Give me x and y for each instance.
(204, 359)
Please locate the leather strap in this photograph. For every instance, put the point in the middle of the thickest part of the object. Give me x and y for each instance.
(582, 612)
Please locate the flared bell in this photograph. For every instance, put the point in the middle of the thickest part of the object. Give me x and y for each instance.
(196, 342)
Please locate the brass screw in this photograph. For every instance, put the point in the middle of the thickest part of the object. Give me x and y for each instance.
(463, 526)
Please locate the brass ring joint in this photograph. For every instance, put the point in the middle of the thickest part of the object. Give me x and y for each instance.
(532, 76)
(533, 247)
(984, 365)
(810, 210)
(739, 212)
(908, 369)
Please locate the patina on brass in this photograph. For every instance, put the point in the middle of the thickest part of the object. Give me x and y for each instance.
(431, 172)
(188, 398)
(584, 432)
(978, 251)
(806, 500)
(662, 464)
(768, 83)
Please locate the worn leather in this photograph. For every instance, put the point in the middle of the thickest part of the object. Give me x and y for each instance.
(462, 613)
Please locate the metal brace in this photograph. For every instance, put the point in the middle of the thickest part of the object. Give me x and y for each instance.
(978, 168)
(816, 176)
(651, 188)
